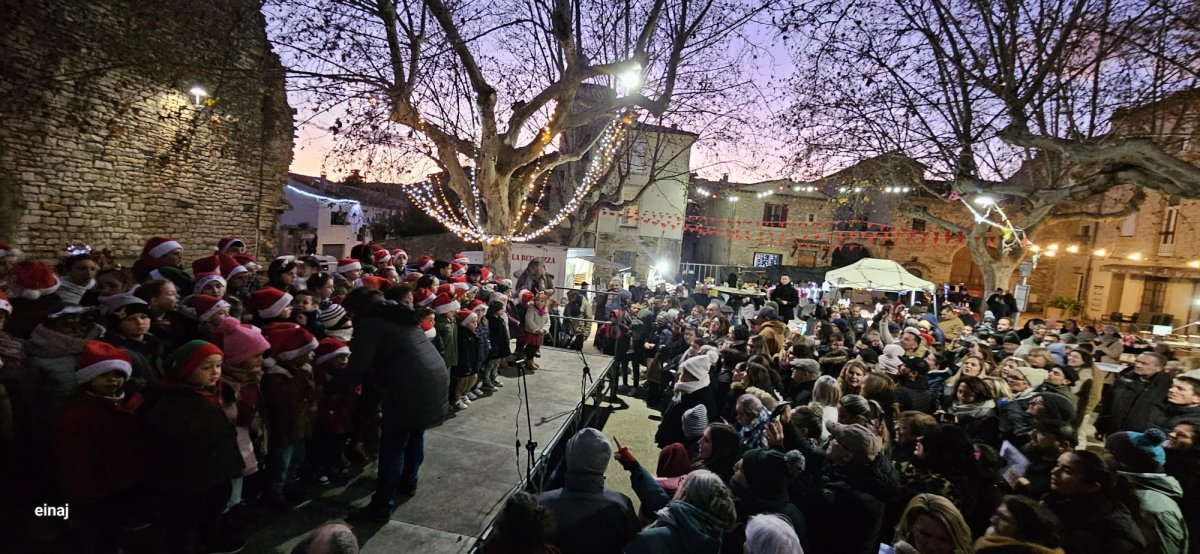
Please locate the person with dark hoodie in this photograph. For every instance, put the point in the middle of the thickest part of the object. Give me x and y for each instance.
(1183, 463)
(1140, 458)
(847, 506)
(1096, 506)
(591, 518)
(760, 486)
(912, 385)
(1183, 401)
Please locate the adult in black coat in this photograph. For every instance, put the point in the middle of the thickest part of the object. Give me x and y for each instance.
(786, 296)
(1135, 401)
(693, 388)
(1086, 497)
(413, 378)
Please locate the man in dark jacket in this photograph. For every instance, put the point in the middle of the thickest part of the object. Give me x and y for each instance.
(1136, 399)
(590, 517)
(912, 385)
(786, 296)
(413, 392)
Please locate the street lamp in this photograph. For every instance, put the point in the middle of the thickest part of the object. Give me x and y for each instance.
(198, 95)
(631, 79)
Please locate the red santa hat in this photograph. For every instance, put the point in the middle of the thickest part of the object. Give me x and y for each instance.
(425, 263)
(466, 316)
(526, 297)
(247, 261)
(460, 288)
(477, 305)
(461, 259)
(485, 275)
(346, 265)
(398, 253)
(230, 266)
(6, 250)
(459, 279)
(444, 288)
(381, 256)
(375, 282)
(423, 297)
(158, 247)
(269, 302)
(98, 358)
(289, 341)
(229, 242)
(203, 279)
(329, 348)
(457, 269)
(206, 306)
(207, 264)
(31, 279)
(443, 304)
(5, 305)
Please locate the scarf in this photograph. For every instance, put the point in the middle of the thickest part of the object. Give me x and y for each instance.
(46, 343)
(754, 433)
(70, 292)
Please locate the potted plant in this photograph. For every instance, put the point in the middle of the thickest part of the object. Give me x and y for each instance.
(1061, 307)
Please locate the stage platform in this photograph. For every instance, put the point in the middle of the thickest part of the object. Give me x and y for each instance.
(471, 465)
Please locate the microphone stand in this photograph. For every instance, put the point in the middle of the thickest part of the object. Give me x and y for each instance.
(530, 445)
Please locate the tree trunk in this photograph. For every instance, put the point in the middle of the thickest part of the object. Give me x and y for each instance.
(996, 266)
(497, 258)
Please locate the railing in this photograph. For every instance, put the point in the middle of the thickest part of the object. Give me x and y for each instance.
(700, 272)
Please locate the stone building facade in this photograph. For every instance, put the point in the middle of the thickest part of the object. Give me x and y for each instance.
(103, 142)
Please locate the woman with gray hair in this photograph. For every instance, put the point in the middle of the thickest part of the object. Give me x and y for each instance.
(694, 521)
(771, 534)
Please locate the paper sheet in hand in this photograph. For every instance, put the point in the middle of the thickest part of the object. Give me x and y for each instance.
(1017, 463)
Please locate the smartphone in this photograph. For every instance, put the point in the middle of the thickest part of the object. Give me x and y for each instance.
(778, 411)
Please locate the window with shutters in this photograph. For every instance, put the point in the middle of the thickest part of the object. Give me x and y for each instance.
(775, 215)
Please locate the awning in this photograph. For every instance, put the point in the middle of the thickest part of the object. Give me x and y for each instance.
(1153, 271)
(607, 264)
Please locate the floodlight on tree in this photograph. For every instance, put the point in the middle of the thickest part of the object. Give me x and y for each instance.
(632, 78)
(985, 200)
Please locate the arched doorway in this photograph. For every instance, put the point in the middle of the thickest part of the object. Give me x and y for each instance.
(963, 270)
(848, 254)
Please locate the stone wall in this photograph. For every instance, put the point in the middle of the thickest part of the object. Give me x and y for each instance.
(101, 143)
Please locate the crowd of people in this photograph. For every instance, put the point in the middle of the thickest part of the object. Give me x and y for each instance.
(157, 397)
(900, 430)
(154, 397)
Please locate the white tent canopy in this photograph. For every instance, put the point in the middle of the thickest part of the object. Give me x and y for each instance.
(877, 275)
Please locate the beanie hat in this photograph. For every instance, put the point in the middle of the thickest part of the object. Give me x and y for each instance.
(31, 279)
(423, 297)
(1072, 375)
(855, 405)
(269, 302)
(425, 263)
(860, 441)
(1034, 375)
(207, 264)
(699, 366)
(1059, 351)
(206, 306)
(329, 348)
(332, 315)
(1012, 338)
(915, 364)
(187, 358)
(157, 247)
(767, 312)
(5, 305)
(1058, 406)
(229, 242)
(289, 341)
(695, 421)
(121, 306)
(806, 365)
(588, 452)
(240, 341)
(504, 285)
(924, 325)
(203, 279)
(465, 317)
(461, 258)
(767, 471)
(890, 360)
(443, 304)
(178, 277)
(98, 358)
(1139, 452)
(869, 356)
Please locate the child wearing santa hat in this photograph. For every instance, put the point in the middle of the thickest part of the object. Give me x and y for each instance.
(241, 395)
(335, 410)
(158, 252)
(347, 272)
(466, 367)
(289, 404)
(500, 347)
(270, 305)
(194, 451)
(32, 290)
(208, 311)
(100, 450)
(129, 329)
(482, 332)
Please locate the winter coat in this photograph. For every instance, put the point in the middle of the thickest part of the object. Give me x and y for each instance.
(1110, 351)
(997, 544)
(748, 503)
(679, 528)
(192, 443)
(1131, 404)
(468, 354)
(1184, 466)
(951, 328)
(498, 337)
(773, 334)
(413, 378)
(99, 446)
(535, 321)
(670, 429)
(1171, 414)
(785, 293)
(147, 356)
(591, 518)
(846, 510)
(1159, 495)
(914, 395)
(447, 331)
(289, 404)
(1092, 524)
(52, 361)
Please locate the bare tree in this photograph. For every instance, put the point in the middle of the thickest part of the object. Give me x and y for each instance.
(1014, 100)
(484, 90)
